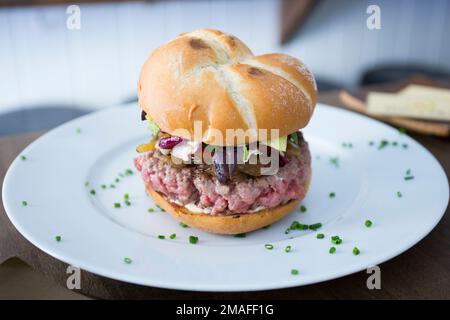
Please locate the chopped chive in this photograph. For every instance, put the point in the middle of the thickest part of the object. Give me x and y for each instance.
(295, 225)
(332, 195)
(368, 223)
(395, 143)
(126, 196)
(160, 208)
(117, 205)
(294, 272)
(334, 161)
(399, 194)
(332, 250)
(315, 226)
(356, 251)
(408, 172)
(402, 130)
(112, 186)
(288, 249)
(86, 183)
(127, 260)
(24, 203)
(336, 240)
(161, 237)
(320, 236)
(173, 236)
(405, 146)
(347, 145)
(92, 192)
(117, 180)
(151, 210)
(383, 143)
(268, 246)
(287, 231)
(302, 209)
(193, 239)
(58, 238)
(128, 172)
(103, 186)
(128, 203)
(184, 225)
(371, 143)
(408, 177)
(78, 130)
(240, 235)
(121, 175)
(22, 157)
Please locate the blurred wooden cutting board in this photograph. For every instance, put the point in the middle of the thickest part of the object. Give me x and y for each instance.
(356, 101)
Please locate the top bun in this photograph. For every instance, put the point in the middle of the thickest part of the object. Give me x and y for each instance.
(212, 77)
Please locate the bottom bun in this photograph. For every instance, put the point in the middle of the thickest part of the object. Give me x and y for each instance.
(224, 224)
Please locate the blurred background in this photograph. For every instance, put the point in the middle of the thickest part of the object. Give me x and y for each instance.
(51, 72)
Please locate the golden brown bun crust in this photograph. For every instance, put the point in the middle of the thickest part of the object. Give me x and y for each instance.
(212, 77)
(233, 224)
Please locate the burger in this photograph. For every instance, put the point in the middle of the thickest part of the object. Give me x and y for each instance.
(225, 153)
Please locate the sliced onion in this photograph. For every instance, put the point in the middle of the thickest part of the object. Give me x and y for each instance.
(224, 163)
(169, 142)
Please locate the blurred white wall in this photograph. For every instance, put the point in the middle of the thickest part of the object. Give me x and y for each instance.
(42, 62)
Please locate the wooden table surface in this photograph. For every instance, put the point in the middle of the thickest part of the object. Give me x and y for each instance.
(423, 272)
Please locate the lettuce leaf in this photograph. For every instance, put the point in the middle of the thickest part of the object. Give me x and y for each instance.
(152, 126)
(280, 144)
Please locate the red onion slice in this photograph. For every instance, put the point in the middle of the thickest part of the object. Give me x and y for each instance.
(169, 142)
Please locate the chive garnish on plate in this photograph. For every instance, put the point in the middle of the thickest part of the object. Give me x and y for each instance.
(268, 246)
(315, 226)
(336, 240)
(368, 223)
(332, 250)
(24, 203)
(193, 239)
(356, 251)
(383, 144)
(127, 260)
(320, 236)
(288, 249)
(334, 161)
(294, 272)
(58, 238)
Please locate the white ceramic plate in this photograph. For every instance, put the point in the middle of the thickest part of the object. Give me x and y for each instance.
(96, 236)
